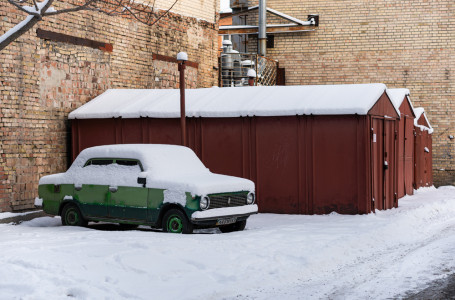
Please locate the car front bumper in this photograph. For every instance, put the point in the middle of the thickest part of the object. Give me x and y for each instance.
(213, 216)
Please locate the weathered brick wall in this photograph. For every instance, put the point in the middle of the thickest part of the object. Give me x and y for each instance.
(400, 43)
(41, 81)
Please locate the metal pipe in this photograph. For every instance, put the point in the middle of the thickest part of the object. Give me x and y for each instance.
(262, 36)
(182, 102)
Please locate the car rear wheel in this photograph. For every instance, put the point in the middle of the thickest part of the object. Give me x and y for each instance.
(175, 221)
(71, 216)
(237, 226)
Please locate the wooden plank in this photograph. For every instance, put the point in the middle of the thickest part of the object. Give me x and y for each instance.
(173, 60)
(64, 38)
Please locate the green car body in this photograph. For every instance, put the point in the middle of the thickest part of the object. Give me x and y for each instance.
(122, 184)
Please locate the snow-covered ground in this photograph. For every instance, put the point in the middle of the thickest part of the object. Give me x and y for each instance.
(333, 256)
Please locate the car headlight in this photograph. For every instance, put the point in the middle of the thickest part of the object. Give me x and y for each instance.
(204, 203)
(250, 198)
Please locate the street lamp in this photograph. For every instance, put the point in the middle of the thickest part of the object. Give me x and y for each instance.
(182, 57)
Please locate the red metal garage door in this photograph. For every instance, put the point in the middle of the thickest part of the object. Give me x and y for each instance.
(383, 163)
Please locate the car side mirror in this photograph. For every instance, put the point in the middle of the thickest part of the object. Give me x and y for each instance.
(142, 180)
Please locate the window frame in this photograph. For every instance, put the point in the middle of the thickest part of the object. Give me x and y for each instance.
(114, 161)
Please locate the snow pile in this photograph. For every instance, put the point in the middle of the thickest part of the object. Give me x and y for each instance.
(375, 256)
(234, 102)
(165, 167)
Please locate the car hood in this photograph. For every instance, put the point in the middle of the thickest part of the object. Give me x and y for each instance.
(202, 184)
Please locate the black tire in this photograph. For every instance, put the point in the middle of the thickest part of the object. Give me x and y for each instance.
(175, 221)
(71, 216)
(237, 226)
(128, 226)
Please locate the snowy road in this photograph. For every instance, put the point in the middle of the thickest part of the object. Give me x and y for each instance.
(375, 256)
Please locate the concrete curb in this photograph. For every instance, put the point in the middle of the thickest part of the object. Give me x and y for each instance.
(21, 218)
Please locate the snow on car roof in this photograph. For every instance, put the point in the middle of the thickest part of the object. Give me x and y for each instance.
(155, 158)
(234, 102)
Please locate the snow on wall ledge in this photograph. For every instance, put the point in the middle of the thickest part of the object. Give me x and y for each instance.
(234, 102)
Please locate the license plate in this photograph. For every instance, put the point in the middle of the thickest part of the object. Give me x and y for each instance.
(226, 221)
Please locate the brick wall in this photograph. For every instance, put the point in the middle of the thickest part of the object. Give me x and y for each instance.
(41, 81)
(201, 9)
(400, 43)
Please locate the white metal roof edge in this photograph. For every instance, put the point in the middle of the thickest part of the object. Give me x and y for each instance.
(204, 106)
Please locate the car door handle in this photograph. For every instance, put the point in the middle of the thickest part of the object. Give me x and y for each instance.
(113, 189)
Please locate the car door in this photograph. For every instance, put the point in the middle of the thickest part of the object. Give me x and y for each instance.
(127, 199)
(90, 191)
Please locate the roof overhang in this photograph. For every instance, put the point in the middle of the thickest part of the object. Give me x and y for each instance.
(271, 28)
(296, 25)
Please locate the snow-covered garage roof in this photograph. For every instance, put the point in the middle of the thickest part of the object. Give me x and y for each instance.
(397, 96)
(418, 112)
(234, 101)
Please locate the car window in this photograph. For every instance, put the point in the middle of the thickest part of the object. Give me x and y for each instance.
(109, 171)
(99, 162)
(129, 162)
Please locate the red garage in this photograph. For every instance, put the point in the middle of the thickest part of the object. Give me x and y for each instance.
(309, 149)
(423, 173)
(405, 137)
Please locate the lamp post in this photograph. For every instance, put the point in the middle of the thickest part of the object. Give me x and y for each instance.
(182, 57)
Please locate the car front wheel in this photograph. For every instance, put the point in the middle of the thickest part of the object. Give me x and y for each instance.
(71, 216)
(175, 221)
(238, 226)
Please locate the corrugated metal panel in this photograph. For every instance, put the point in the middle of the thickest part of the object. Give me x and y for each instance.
(409, 155)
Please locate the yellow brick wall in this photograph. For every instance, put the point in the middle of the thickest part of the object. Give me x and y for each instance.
(42, 81)
(407, 44)
(202, 9)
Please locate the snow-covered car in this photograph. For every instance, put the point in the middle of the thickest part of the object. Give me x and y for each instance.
(164, 186)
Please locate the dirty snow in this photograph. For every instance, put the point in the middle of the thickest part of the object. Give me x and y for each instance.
(165, 167)
(376, 256)
(6, 215)
(234, 102)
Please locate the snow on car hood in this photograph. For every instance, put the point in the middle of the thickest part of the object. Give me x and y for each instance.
(202, 183)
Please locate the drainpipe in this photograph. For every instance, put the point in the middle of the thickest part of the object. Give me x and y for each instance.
(262, 37)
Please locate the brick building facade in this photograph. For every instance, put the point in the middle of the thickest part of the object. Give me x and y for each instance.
(408, 44)
(42, 80)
